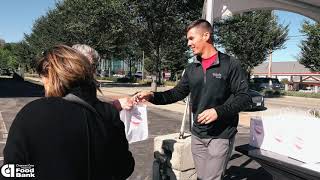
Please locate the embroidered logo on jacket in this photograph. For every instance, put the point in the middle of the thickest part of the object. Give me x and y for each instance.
(217, 75)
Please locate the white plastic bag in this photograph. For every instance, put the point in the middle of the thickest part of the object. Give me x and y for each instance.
(136, 124)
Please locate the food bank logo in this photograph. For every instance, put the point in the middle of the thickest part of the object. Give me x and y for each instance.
(17, 170)
(7, 170)
(136, 118)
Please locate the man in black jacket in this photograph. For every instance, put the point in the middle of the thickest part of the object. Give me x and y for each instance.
(218, 88)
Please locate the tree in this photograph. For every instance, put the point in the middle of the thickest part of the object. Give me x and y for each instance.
(103, 24)
(7, 59)
(26, 56)
(251, 36)
(162, 35)
(120, 29)
(15, 55)
(3, 58)
(310, 48)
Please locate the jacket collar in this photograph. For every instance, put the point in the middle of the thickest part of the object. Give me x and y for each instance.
(86, 92)
(216, 62)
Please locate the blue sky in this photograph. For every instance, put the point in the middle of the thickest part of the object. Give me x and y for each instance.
(18, 16)
(292, 49)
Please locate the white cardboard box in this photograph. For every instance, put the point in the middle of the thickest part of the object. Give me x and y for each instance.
(292, 135)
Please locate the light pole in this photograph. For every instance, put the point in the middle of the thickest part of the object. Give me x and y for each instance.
(270, 65)
(142, 65)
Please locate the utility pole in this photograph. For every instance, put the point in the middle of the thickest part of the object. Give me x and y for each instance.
(270, 56)
(270, 65)
(209, 11)
(142, 65)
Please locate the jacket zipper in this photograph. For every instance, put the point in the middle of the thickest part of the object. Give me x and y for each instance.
(205, 72)
(204, 75)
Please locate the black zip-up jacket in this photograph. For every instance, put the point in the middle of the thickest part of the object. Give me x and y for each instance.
(223, 87)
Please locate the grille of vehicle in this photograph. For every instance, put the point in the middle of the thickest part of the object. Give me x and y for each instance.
(257, 99)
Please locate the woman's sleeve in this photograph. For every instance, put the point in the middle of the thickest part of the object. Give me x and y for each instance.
(122, 159)
(15, 149)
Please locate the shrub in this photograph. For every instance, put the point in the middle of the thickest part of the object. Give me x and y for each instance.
(144, 82)
(126, 80)
(170, 83)
(270, 92)
(107, 78)
(300, 94)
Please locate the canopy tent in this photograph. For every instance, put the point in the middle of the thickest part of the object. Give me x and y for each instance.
(216, 9)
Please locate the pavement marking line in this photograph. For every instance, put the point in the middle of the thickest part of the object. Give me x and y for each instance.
(289, 101)
(284, 105)
(3, 128)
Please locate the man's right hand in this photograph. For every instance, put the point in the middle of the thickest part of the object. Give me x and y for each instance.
(143, 96)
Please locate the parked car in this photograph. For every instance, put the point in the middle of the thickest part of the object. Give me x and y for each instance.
(5, 72)
(138, 75)
(257, 100)
(103, 73)
(119, 75)
(307, 90)
(260, 84)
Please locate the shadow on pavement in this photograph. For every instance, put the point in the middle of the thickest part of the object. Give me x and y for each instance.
(235, 156)
(242, 172)
(255, 110)
(115, 84)
(239, 173)
(17, 87)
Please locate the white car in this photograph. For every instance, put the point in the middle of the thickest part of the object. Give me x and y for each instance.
(138, 74)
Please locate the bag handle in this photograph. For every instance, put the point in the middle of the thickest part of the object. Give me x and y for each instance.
(75, 99)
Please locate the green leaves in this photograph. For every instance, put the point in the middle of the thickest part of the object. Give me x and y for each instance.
(8, 60)
(98, 23)
(162, 34)
(251, 36)
(310, 48)
(120, 29)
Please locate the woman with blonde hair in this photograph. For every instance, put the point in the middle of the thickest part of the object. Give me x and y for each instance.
(69, 134)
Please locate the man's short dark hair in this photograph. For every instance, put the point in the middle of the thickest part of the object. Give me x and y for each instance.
(202, 23)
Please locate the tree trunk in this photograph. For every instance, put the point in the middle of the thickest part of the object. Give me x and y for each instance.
(159, 65)
(109, 62)
(130, 73)
(248, 74)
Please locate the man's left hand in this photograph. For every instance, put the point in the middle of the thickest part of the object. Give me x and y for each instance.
(207, 116)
